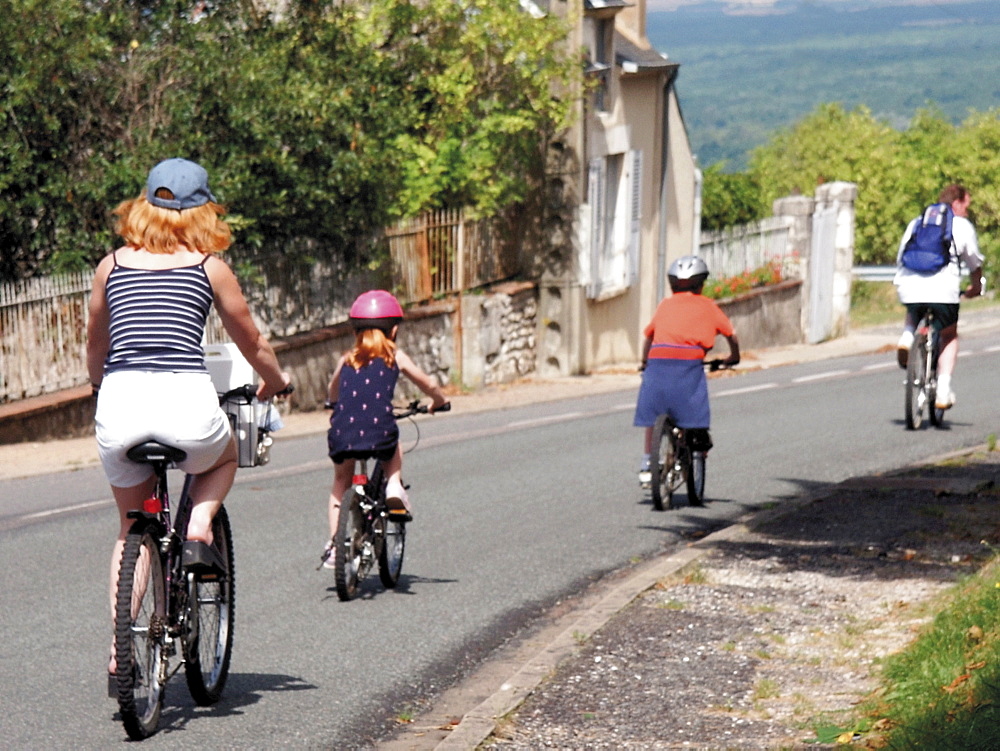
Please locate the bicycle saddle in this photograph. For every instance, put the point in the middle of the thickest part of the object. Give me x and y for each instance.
(154, 451)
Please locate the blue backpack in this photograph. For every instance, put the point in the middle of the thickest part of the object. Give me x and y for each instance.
(929, 248)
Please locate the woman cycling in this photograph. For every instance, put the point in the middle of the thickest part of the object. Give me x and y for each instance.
(148, 307)
(682, 331)
(361, 389)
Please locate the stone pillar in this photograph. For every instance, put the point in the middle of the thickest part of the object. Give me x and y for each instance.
(841, 197)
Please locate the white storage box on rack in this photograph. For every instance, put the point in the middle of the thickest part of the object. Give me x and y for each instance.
(229, 370)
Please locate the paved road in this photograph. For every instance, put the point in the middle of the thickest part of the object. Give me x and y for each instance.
(515, 510)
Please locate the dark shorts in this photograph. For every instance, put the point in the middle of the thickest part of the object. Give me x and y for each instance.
(945, 314)
(673, 387)
(383, 456)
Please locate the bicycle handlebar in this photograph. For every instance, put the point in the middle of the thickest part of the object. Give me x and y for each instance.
(248, 391)
(416, 408)
(713, 365)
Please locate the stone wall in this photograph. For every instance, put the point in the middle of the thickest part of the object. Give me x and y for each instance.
(477, 341)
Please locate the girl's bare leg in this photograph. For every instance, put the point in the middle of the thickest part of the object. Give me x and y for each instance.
(342, 474)
(208, 491)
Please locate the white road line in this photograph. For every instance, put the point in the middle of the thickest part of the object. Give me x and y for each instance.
(66, 509)
(820, 376)
(881, 366)
(545, 420)
(746, 390)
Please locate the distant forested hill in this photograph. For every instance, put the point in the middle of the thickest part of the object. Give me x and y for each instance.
(743, 77)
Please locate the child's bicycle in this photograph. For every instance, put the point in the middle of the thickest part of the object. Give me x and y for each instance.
(176, 595)
(365, 531)
(921, 375)
(673, 462)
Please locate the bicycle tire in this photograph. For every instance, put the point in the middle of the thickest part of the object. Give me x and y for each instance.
(916, 386)
(390, 554)
(936, 414)
(348, 547)
(696, 478)
(140, 625)
(208, 644)
(661, 463)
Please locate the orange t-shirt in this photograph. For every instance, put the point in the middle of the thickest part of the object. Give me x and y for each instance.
(684, 327)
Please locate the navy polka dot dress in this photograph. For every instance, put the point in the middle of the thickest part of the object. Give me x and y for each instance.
(362, 424)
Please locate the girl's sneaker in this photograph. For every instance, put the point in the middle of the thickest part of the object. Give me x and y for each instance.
(398, 502)
(328, 556)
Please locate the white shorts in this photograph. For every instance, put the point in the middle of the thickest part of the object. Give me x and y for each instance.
(178, 409)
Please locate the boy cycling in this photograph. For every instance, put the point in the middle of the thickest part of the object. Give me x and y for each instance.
(682, 331)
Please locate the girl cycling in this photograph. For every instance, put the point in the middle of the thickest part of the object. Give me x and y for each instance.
(362, 425)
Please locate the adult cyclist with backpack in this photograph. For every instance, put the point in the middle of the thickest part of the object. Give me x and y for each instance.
(929, 275)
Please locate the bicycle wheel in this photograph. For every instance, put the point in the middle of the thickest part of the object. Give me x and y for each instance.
(916, 391)
(662, 463)
(390, 554)
(208, 643)
(696, 478)
(140, 625)
(348, 548)
(936, 414)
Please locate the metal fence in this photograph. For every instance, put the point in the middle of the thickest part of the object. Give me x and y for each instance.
(444, 252)
(43, 321)
(734, 250)
(43, 333)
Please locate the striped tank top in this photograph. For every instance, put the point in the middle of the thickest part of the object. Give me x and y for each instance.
(158, 318)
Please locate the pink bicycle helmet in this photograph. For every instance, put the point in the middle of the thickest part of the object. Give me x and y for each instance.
(376, 309)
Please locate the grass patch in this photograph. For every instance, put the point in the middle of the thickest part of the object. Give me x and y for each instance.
(943, 691)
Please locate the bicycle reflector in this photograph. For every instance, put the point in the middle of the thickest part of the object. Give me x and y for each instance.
(152, 505)
(359, 480)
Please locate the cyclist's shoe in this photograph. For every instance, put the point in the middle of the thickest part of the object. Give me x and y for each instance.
(944, 400)
(328, 556)
(203, 559)
(398, 502)
(903, 349)
(645, 474)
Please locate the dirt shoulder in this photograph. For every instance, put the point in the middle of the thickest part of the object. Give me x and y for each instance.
(779, 623)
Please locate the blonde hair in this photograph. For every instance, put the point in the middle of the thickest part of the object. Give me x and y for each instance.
(370, 344)
(143, 225)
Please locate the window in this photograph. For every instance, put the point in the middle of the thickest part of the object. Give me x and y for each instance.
(614, 197)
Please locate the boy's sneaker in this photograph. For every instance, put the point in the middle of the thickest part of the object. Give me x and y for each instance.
(645, 475)
(903, 349)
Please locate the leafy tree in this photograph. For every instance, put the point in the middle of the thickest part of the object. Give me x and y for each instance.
(318, 125)
(730, 198)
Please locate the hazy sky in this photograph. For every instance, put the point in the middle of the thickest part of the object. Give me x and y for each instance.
(758, 6)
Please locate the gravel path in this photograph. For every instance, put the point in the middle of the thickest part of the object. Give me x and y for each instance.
(777, 629)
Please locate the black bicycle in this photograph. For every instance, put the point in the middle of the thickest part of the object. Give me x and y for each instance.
(921, 375)
(367, 530)
(674, 462)
(175, 595)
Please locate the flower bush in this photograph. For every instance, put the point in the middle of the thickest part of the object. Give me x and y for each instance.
(768, 274)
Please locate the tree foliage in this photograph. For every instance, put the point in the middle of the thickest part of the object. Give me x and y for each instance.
(318, 125)
(897, 173)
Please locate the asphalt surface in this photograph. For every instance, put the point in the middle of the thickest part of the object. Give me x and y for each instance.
(465, 716)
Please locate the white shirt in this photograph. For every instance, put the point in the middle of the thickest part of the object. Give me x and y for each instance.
(943, 286)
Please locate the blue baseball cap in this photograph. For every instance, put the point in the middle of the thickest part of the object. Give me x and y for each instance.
(187, 181)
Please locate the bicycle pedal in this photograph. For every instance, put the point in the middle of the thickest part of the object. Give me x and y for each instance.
(203, 559)
(400, 516)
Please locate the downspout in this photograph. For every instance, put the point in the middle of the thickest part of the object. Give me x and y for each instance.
(661, 255)
(699, 178)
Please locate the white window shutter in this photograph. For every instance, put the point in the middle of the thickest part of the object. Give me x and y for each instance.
(635, 215)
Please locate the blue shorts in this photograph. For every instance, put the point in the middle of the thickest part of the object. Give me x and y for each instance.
(674, 387)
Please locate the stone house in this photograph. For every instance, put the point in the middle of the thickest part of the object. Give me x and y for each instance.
(632, 183)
